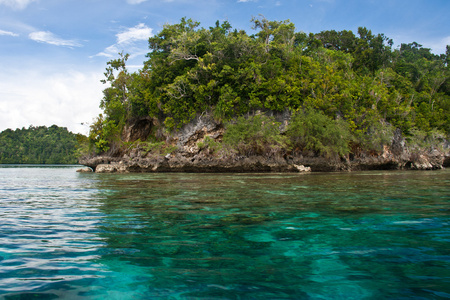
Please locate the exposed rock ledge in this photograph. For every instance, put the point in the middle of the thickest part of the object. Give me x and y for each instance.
(180, 163)
(189, 158)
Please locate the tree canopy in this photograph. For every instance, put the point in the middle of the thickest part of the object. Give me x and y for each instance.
(358, 79)
(39, 145)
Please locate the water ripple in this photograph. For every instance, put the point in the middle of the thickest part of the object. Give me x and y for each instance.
(370, 235)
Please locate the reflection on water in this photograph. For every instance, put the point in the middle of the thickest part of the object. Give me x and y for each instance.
(370, 235)
(48, 237)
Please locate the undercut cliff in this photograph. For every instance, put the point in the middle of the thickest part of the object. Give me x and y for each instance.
(194, 148)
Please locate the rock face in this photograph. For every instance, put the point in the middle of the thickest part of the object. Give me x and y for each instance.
(85, 170)
(139, 129)
(190, 158)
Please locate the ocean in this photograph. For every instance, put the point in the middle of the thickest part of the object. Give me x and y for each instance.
(358, 235)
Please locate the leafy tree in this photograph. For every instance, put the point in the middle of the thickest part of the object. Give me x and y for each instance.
(116, 103)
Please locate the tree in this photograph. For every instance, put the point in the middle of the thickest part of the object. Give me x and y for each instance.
(333, 77)
(116, 97)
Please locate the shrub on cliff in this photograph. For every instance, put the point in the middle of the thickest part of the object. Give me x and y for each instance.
(312, 130)
(210, 145)
(258, 134)
(421, 141)
(375, 136)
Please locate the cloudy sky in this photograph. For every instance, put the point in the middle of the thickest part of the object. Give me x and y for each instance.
(53, 52)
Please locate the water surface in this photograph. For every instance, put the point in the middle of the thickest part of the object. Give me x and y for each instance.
(362, 235)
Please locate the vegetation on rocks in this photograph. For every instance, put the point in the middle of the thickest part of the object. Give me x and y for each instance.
(344, 91)
(256, 135)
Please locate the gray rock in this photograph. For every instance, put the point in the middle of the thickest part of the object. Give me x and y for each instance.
(190, 158)
(106, 168)
(302, 168)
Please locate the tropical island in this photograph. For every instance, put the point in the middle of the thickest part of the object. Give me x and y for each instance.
(220, 100)
(40, 145)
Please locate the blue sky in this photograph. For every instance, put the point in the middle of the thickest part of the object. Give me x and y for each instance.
(53, 52)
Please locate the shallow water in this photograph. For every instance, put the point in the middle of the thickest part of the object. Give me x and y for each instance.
(362, 235)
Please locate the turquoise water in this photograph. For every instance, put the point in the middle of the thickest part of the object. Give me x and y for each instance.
(362, 235)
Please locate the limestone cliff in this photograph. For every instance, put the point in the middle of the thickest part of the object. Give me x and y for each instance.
(188, 156)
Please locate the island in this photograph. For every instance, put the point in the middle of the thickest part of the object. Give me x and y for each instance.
(279, 100)
(40, 145)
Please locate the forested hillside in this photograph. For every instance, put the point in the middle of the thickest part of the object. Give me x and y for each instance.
(345, 90)
(39, 145)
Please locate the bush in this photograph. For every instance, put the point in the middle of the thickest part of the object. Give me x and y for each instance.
(314, 131)
(158, 148)
(376, 136)
(104, 134)
(209, 144)
(259, 134)
(421, 141)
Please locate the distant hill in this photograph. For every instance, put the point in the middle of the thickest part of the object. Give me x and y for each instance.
(39, 145)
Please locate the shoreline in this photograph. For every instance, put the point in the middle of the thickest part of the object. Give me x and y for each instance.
(200, 163)
(188, 153)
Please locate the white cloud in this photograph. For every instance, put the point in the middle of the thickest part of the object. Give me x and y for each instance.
(50, 38)
(16, 4)
(3, 32)
(138, 33)
(41, 98)
(131, 40)
(239, 1)
(109, 52)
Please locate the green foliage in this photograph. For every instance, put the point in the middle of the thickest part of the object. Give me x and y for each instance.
(104, 134)
(376, 136)
(312, 130)
(259, 134)
(356, 78)
(210, 145)
(40, 145)
(158, 148)
(83, 145)
(419, 140)
(116, 102)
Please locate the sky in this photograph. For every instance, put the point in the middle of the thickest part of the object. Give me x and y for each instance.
(53, 53)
